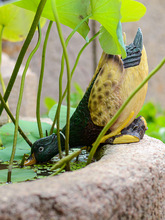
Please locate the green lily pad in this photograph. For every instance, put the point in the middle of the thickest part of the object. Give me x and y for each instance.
(49, 102)
(132, 10)
(7, 135)
(76, 96)
(6, 153)
(70, 12)
(63, 114)
(18, 175)
(108, 43)
(16, 22)
(108, 14)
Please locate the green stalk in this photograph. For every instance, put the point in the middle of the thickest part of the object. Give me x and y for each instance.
(68, 74)
(2, 82)
(59, 171)
(110, 123)
(41, 79)
(57, 114)
(23, 160)
(58, 108)
(23, 51)
(13, 120)
(1, 78)
(80, 52)
(65, 160)
(1, 33)
(78, 57)
(94, 46)
(19, 104)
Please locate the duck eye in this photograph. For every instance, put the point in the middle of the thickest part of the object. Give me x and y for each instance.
(40, 149)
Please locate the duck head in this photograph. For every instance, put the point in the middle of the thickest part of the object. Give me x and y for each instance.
(43, 150)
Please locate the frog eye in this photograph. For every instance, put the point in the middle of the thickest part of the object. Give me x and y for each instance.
(40, 149)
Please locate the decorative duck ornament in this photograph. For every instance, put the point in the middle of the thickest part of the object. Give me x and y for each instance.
(114, 80)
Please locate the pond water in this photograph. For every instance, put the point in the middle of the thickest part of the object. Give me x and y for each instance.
(41, 170)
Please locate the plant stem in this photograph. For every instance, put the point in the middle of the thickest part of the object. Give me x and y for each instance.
(59, 103)
(1, 33)
(23, 51)
(58, 171)
(68, 75)
(23, 160)
(65, 160)
(19, 103)
(13, 120)
(94, 46)
(58, 108)
(1, 78)
(78, 57)
(2, 82)
(57, 114)
(41, 79)
(110, 123)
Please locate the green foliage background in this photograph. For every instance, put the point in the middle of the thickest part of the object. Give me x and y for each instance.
(155, 117)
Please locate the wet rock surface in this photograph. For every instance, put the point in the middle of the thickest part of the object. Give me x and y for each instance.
(126, 183)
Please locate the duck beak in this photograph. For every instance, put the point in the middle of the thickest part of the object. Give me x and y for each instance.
(30, 161)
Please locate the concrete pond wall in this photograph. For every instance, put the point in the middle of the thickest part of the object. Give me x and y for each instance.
(126, 183)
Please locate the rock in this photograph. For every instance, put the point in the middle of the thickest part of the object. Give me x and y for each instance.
(127, 183)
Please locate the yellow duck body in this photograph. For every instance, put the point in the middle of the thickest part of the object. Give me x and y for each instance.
(112, 87)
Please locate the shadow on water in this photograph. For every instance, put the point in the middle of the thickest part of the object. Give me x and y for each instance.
(3, 166)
